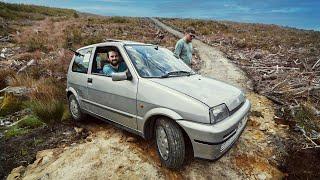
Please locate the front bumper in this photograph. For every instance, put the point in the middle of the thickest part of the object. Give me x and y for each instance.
(210, 141)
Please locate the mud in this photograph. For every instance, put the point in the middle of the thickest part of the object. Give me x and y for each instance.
(22, 150)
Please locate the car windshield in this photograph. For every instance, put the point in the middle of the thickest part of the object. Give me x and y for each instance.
(152, 61)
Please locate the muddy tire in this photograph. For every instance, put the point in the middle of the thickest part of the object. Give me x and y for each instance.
(74, 109)
(170, 143)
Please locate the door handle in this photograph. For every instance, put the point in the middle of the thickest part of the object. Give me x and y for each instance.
(89, 80)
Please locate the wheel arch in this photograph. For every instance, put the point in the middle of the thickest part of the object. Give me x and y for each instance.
(149, 127)
(71, 91)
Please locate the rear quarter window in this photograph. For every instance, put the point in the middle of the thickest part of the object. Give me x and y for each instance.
(81, 62)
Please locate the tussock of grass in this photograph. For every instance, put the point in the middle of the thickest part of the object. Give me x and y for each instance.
(37, 41)
(30, 122)
(72, 36)
(5, 74)
(48, 89)
(49, 112)
(10, 104)
(14, 131)
(23, 126)
(22, 80)
(305, 118)
(66, 114)
(117, 19)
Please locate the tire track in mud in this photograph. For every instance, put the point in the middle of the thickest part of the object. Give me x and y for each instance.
(111, 153)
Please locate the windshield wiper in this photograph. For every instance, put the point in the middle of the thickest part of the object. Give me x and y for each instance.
(176, 73)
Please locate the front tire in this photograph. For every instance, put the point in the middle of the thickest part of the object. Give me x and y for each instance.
(170, 143)
(74, 109)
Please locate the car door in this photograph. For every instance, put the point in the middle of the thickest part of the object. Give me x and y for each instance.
(77, 76)
(112, 100)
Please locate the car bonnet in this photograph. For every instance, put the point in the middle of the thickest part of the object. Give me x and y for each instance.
(209, 91)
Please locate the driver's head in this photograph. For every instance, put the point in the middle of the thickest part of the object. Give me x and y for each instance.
(113, 57)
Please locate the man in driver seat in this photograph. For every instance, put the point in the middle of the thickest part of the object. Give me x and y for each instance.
(115, 65)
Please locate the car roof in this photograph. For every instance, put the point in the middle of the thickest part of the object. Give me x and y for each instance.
(109, 42)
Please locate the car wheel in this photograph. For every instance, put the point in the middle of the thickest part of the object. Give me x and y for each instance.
(170, 143)
(74, 109)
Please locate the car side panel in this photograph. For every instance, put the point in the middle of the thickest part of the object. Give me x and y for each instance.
(113, 100)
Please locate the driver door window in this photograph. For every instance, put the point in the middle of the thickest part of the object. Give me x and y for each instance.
(101, 60)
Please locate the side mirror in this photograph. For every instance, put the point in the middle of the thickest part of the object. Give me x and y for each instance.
(121, 76)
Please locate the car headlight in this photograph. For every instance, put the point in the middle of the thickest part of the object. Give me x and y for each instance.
(218, 113)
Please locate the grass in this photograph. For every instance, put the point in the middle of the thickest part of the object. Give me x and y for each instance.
(246, 35)
(10, 104)
(48, 89)
(4, 77)
(305, 118)
(14, 131)
(117, 19)
(66, 114)
(37, 41)
(30, 122)
(23, 126)
(72, 36)
(32, 12)
(22, 80)
(50, 112)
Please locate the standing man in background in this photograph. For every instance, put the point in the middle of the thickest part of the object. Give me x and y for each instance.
(183, 48)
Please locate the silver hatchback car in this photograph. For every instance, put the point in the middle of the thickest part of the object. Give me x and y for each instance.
(157, 96)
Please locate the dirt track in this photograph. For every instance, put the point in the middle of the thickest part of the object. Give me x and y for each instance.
(110, 153)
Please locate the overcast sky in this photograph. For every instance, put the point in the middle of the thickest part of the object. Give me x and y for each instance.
(303, 14)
